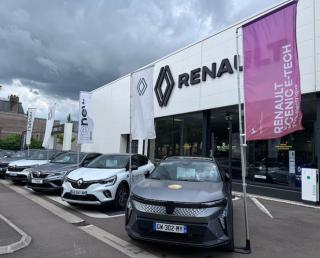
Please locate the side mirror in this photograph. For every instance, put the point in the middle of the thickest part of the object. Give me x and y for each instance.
(147, 174)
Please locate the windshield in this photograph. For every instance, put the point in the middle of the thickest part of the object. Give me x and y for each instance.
(40, 155)
(20, 154)
(109, 161)
(4, 153)
(68, 158)
(187, 170)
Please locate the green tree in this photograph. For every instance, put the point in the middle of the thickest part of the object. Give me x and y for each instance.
(11, 142)
(69, 119)
(35, 144)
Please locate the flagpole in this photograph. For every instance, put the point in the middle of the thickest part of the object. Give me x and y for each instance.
(243, 147)
(78, 154)
(130, 143)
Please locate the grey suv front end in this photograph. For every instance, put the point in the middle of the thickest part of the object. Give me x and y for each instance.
(179, 210)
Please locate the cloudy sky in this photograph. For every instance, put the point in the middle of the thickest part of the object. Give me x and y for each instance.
(50, 50)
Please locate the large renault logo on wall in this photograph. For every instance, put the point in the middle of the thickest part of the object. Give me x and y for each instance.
(165, 76)
(165, 82)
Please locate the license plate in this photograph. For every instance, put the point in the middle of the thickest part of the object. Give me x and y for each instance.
(260, 177)
(78, 192)
(172, 228)
(37, 181)
(12, 174)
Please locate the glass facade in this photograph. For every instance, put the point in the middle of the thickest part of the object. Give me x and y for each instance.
(207, 133)
(179, 135)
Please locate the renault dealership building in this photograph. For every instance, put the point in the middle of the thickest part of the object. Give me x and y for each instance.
(195, 107)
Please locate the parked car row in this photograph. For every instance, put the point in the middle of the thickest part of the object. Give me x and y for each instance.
(181, 201)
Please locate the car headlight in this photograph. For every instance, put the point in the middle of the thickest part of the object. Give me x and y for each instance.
(27, 171)
(109, 181)
(60, 173)
(221, 202)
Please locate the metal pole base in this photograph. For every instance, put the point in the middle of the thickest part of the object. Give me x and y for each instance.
(243, 250)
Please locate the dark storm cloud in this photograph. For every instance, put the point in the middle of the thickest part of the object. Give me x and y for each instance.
(61, 47)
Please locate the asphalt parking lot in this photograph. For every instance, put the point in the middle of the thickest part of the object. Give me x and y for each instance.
(278, 229)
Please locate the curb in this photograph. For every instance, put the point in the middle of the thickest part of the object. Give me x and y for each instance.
(22, 243)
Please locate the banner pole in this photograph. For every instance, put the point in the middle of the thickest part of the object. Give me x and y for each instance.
(130, 141)
(78, 155)
(243, 146)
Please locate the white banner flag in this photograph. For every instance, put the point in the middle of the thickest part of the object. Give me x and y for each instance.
(49, 126)
(30, 120)
(85, 129)
(142, 114)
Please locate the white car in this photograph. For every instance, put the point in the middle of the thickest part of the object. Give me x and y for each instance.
(106, 179)
(18, 171)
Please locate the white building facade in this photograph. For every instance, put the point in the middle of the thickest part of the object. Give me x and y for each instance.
(196, 90)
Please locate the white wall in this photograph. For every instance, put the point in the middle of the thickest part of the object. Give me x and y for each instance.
(111, 101)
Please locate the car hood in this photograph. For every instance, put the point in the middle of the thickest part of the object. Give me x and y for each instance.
(89, 174)
(8, 160)
(56, 168)
(28, 163)
(190, 192)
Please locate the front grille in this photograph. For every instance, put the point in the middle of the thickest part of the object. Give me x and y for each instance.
(16, 169)
(84, 185)
(44, 185)
(88, 197)
(178, 211)
(40, 175)
(17, 177)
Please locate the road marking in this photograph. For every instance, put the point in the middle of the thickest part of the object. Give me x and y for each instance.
(100, 234)
(92, 214)
(278, 200)
(261, 207)
(24, 241)
(117, 243)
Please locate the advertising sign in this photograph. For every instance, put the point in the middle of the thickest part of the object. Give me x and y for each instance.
(292, 162)
(86, 126)
(49, 126)
(142, 112)
(271, 75)
(30, 120)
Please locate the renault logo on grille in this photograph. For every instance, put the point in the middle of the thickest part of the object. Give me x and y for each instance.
(142, 86)
(79, 182)
(38, 174)
(165, 77)
(170, 208)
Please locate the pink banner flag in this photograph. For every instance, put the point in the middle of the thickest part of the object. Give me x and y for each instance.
(271, 75)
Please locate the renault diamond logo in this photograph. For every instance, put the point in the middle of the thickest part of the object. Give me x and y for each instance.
(79, 182)
(142, 86)
(165, 76)
(170, 208)
(38, 174)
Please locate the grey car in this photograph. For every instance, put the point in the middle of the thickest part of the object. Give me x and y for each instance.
(183, 201)
(4, 162)
(50, 176)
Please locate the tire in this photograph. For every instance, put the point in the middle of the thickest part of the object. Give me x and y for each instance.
(122, 195)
